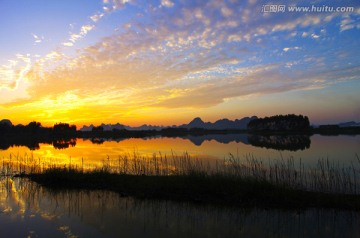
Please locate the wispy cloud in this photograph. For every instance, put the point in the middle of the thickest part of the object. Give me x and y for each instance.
(167, 3)
(347, 23)
(113, 5)
(13, 72)
(110, 7)
(286, 49)
(37, 39)
(96, 17)
(192, 54)
(84, 30)
(166, 53)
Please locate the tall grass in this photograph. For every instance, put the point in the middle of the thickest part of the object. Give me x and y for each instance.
(326, 176)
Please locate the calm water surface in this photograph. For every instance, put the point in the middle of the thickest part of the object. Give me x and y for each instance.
(28, 210)
(341, 149)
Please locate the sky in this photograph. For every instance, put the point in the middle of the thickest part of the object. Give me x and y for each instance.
(165, 62)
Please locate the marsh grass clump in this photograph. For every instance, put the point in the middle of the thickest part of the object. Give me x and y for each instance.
(237, 180)
(326, 176)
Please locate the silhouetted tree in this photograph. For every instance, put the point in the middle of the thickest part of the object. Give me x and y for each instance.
(64, 128)
(289, 122)
(4, 128)
(33, 127)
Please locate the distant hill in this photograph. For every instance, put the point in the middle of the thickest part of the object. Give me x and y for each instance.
(340, 125)
(349, 124)
(118, 126)
(220, 124)
(195, 123)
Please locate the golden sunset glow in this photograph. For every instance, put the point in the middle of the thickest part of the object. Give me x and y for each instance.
(166, 62)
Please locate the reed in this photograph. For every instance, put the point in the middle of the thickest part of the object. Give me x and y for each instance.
(326, 176)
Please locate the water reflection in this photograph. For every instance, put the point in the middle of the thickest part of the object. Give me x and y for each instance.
(277, 142)
(33, 143)
(220, 138)
(27, 209)
(248, 143)
(338, 149)
(30, 143)
(281, 142)
(64, 143)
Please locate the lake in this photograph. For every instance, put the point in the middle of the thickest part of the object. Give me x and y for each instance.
(342, 149)
(29, 210)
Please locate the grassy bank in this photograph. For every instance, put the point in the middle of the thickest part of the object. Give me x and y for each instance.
(248, 182)
(200, 188)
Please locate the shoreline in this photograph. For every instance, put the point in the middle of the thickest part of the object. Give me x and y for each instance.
(297, 139)
(197, 188)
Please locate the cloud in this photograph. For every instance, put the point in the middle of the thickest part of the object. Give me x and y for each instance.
(167, 3)
(38, 39)
(260, 80)
(96, 17)
(315, 36)
(84, 30)
(68, 44)
(253, 81)
(226, 12)
(115, 5)
(286, 49)
(347, 24)
(12, 74)
(197, 56)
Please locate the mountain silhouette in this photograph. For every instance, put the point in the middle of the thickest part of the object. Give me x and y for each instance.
(197, 122)
(118, 126)
(221, 124)
(349, 124)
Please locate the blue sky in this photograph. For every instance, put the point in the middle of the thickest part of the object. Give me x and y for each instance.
(165, 62)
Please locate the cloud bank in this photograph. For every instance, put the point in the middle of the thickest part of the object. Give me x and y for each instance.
(195, 54)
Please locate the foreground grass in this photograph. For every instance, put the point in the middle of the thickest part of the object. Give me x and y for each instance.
(235, 181)
(219, 189)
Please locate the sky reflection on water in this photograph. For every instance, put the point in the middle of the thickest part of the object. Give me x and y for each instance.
(28, 210)
(344, 149)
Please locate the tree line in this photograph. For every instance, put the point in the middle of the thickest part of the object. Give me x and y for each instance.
(36, 128)
(288, 122)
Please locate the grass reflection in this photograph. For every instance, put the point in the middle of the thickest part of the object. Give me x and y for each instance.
(95, 213)
(235, 180)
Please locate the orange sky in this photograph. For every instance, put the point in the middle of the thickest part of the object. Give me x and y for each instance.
(166, 62)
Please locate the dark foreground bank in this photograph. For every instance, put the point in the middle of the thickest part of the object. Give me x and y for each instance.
(198, 188)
